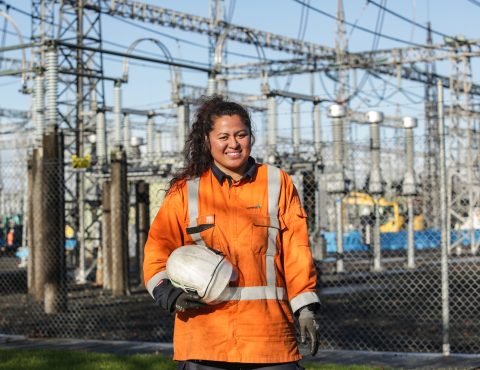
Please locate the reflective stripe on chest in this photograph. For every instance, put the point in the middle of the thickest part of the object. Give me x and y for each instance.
(270, 291)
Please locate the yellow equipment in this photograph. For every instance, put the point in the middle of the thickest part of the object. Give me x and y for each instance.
(359, 208)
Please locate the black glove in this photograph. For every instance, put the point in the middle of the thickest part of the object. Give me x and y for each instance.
(165, 295)
(188, 301)
(308, 325)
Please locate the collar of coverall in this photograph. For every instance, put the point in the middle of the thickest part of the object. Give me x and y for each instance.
(249, 173)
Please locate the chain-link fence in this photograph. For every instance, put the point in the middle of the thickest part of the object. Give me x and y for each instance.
(71, 242)
(77, 274)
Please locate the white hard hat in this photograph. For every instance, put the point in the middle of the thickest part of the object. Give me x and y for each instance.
(200, 269)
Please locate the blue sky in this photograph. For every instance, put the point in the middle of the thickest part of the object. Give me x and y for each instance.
(148, 87)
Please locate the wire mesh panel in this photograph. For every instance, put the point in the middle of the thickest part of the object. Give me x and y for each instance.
(387, 296)
(373, 300)
(380, 284)
(42, 294)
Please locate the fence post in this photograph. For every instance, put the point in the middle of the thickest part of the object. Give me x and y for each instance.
(119, 221)
(38, 231)
(30, 233)
(183, 117)
(409, 186)
(296, 126)
(55, 297)
(101, 138)
(150, 139)
(142, 220)
(336, 184)
(375, 185)
(443, 208)
(106, 236)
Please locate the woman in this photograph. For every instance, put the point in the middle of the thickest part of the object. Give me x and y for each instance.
(252, 214)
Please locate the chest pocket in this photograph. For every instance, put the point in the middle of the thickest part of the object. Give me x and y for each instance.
(202, 230)
(264, 234)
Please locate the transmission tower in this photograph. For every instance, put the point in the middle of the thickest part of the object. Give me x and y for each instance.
(81, 76)
(464, 185)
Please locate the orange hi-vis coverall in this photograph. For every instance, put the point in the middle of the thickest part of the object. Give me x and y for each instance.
(260, 226)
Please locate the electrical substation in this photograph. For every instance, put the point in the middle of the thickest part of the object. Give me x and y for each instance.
(382, 144)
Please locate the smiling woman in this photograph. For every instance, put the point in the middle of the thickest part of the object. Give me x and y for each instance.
(250, 215)
(221, 134)
(230, 145)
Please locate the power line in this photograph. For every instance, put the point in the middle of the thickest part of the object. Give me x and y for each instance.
(145, 65)
(407, 19)
(103, 41)
(231, 11)
(180, 60)
(302, 28)
(376, 40)
(474, 2)
(21, 11)
(357, 20)
(305, 3)
(392, 38)
(24, 38)
(358, 89)
(177, 38)
(401, 90)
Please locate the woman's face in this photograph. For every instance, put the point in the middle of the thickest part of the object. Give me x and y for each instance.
(230, 145)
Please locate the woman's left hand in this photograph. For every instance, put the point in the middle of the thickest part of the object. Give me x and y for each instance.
(308, 324)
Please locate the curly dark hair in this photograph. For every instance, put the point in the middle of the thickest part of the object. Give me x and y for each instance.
(197, 149)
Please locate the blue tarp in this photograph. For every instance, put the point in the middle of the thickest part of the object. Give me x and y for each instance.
(352, 241)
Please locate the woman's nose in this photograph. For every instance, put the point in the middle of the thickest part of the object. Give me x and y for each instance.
(233, 142)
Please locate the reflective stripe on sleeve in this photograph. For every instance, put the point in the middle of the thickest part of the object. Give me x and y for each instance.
(253, 293)
(154, 280)
(303, 299)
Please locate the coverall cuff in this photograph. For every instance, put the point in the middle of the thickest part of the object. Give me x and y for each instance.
(166, 295)
(155, 280)
(304, 299)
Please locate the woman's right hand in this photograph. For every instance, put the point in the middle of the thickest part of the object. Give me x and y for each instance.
(188, 301)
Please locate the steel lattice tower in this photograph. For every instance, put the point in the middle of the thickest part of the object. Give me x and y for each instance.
(67, 27)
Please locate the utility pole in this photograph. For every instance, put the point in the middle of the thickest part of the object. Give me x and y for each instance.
(217, 13)
(340, 50)
(430, 187)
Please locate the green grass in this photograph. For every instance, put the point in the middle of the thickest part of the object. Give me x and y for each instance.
(79, 360)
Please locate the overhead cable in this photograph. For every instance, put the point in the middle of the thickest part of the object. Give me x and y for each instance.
(302, 28)
(474, 2)
(407, 19)
(176, 38)
(392, 38)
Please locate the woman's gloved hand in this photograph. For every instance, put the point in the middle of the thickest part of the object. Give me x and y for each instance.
(308, 326)
(188, 301)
